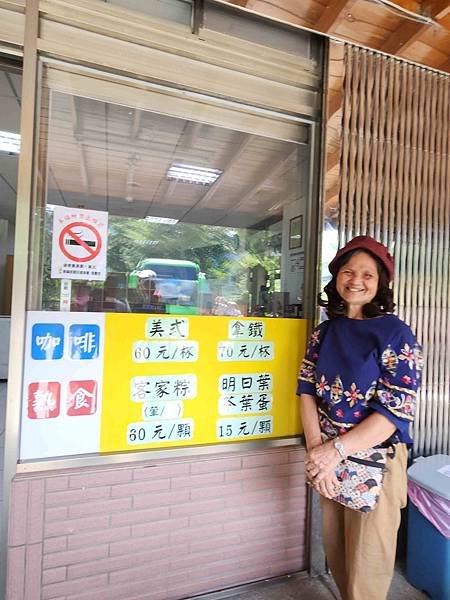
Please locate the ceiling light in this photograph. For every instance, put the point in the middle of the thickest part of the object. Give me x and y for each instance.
(164, 220)
(9, 142)
(191, 174)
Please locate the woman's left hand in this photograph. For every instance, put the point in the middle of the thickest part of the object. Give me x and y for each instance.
(320, 461)
(327, 486)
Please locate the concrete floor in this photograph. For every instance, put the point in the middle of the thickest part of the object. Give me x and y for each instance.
(302, 587)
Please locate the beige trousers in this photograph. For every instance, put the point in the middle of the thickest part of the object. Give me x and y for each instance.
(360, 548)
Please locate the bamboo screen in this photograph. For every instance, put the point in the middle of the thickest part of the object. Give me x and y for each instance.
(394, 185)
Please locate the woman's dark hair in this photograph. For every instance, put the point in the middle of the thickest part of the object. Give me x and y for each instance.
(382, 303)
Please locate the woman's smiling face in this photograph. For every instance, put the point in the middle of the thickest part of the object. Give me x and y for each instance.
(357, 282)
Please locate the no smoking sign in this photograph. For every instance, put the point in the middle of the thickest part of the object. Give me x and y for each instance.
(79, 244)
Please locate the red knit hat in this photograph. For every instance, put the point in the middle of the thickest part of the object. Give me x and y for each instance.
(367, 243)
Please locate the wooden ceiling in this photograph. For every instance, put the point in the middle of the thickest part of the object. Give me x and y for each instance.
(417, 30)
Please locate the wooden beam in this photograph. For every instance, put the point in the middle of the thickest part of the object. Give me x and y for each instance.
(437, 9)
(414, 6)
(333, 14)
(410, 31)
(445, 66)
(411, 5)
(403, 37)
(242, 3)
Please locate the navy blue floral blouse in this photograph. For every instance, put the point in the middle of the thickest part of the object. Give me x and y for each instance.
(355, 367)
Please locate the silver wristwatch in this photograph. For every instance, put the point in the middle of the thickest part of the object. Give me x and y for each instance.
(340, 448)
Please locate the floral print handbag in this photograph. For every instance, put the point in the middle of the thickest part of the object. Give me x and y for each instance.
(360, 478)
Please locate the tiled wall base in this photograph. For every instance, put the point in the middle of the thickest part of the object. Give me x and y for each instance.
(158, 530)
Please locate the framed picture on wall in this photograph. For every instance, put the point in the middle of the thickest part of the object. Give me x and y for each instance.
(296, 232)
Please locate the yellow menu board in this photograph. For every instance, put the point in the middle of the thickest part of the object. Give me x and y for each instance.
(186, 380)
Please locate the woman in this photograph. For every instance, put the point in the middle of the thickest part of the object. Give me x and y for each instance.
(358, 384)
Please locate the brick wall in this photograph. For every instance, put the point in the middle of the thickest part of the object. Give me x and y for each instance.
(157, 530)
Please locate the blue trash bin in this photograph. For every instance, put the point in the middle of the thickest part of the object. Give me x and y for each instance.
(428, 550)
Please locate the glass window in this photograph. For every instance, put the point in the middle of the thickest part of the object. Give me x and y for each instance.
(201, 219)
(178, 11)
(10, 100)
(234, 22)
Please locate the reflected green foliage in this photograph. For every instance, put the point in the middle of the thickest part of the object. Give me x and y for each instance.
(130, 240)
(225, 255)
(50, 287)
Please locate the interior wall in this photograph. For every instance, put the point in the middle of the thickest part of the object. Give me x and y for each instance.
(293, 259)
(10, 238)
(3, 253)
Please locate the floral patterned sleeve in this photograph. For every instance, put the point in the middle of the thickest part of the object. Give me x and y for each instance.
(401, 366)
(307, 374)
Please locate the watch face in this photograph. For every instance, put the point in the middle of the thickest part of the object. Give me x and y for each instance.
(340, 448)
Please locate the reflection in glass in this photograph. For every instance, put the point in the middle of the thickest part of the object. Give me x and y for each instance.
(219, 244)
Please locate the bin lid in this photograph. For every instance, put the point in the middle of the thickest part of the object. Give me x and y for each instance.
(432, 473)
